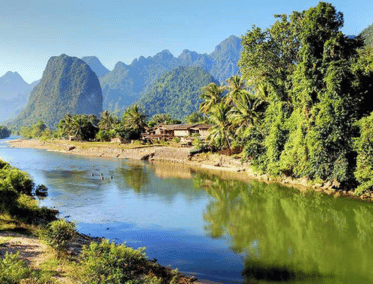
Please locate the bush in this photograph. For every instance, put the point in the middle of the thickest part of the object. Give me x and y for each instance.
(20, 181)
(364, 148)
(176, 139)
(197, 142)
(13, 269)
(110, 263)
(58, 234)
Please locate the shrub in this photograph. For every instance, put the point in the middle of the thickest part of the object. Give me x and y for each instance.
(13, 269)
(110, 263)
(20, 181)
(41, 190)
(197, 142)
(176, 139)
(58, 234)
(364, 148)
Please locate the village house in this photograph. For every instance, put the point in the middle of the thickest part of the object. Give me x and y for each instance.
(181, 131)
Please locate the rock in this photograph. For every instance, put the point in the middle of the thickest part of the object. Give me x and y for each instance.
(327, 184)
(336, 184)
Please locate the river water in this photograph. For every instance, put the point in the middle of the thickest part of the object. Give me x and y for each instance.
(207, 224)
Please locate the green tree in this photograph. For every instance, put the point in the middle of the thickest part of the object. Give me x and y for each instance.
(4, 132)
(135, 119)
(162, 118)
(236, 88)
(316, 92)
(220, 131)
(196, 117)
(212, 94)
(247, 111)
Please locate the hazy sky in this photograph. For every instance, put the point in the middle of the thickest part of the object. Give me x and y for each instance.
(31, 31)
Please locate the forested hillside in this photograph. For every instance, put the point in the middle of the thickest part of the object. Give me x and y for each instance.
(68, 85)
(126, 83)
(176, 92)
(367, 34)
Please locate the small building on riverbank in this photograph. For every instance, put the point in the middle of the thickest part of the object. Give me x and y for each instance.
(169, 131)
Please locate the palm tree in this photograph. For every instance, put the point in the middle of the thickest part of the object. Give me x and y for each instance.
(247, 112)
(211, 94)
(134, 118)
(108, 121)
(79, 122)
(236, 88)
(220, 131)
(65, 124)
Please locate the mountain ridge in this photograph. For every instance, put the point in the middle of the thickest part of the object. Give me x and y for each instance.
(126, 83)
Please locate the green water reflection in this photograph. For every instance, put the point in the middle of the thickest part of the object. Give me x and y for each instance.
(289, 235)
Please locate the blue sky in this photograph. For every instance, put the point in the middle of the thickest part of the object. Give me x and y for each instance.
(31, 31)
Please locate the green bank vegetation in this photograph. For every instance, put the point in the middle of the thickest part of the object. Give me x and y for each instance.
(98, 262)
(4, 132)
(302, 106)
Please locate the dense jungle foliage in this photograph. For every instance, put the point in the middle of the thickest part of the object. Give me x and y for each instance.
(296, 109)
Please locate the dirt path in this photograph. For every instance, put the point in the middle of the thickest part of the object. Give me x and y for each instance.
(30, 248)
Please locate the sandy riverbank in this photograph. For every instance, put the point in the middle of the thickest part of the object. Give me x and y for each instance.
(213, 162)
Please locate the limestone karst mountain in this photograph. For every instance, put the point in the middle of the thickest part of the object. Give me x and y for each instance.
(68, 85)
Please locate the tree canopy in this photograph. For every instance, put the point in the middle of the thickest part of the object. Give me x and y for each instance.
(304, 88)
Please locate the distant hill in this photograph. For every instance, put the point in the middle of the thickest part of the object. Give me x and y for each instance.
(367, 34)
(68, 85)
(96, 65)
(14, 93)
(12, 85)
(176, 92)
(126, 83)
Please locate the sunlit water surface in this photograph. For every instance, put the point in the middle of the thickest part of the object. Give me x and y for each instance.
(214, 227)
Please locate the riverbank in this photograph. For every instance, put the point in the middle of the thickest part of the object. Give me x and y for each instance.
(177, 154)
(28, 251)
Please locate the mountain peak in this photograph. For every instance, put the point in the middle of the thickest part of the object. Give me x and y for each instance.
(164, 55)
(68, 85)
(96, 65)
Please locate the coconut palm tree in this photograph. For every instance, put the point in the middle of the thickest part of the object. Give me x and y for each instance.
(247, 111)
(212, 94)
(236, 88)
(107, 121)
(65, 125)
(134, 118)
(220, 131)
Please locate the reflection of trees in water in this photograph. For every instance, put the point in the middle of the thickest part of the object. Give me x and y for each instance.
(143, 178)
(71, 181)
(288, 234)
(135, 176)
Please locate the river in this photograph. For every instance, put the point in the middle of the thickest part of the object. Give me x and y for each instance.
(216, 228)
